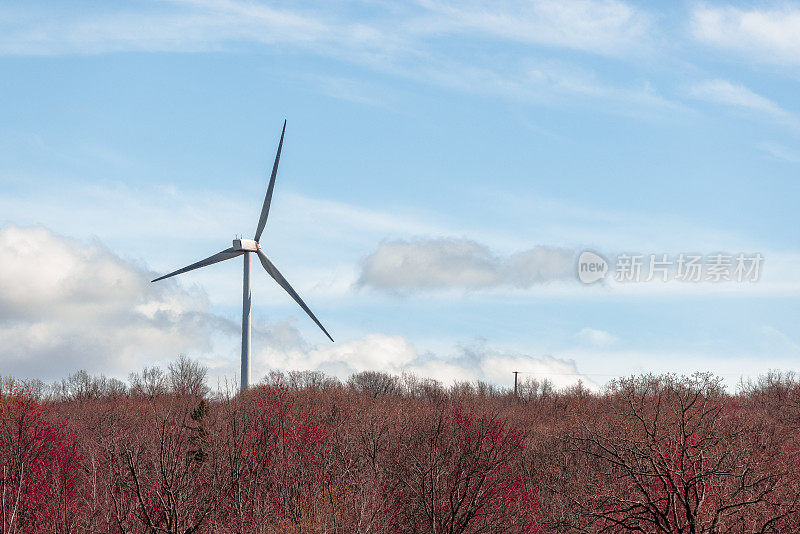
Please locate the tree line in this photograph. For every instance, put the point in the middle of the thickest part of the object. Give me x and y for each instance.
(305, 452)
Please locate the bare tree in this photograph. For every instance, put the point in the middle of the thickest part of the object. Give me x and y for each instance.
(374, 383)
(162, 473)
(452, 472)
(311, 379)
(672, 455)
(81, 386)
(188, 377)
(151, 382)
(532, 389)
(35, 389)
(423, 388)
(275, 378)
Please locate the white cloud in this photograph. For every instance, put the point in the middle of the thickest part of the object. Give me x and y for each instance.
(395, 354)
(561, 372)
(449, 263)
(607, 363)
(315, 242)
(351, 90)
(725, 92)
(781, 152)
(768, 34)
(66, 305)
(779, 341)
(597, 338)
(390, 353)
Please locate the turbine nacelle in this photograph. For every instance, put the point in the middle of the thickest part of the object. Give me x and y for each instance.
(249, 245)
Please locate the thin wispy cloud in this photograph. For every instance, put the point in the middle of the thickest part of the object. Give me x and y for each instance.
(779, 340)
(597, 338)
(352, 90)
(597, 27)
(739, 96)
(182, 26)
(725, 92)
(402, 41)
(780, 152)
(535, 81)
(594, 26)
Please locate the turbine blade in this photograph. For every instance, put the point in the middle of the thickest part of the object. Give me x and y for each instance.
(262, 221)
(276, 274)
(216, 258)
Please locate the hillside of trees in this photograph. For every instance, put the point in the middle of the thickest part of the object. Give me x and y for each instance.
(303, 452)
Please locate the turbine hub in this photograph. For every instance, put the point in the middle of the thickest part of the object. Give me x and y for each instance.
(245, 244)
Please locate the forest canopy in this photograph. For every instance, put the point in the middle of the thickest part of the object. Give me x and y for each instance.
(305, 452)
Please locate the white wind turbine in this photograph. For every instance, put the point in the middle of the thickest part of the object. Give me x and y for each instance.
(243, 247)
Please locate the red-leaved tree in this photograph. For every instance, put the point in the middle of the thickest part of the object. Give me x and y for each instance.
(454, 472)
(39, 470)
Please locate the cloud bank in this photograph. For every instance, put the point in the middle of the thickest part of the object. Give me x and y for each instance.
(448, 263)
(66, 305)
(395, 354)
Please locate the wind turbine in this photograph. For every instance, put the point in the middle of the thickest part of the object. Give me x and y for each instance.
(244, 247)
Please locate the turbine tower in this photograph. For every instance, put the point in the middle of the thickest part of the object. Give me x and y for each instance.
(245, 247)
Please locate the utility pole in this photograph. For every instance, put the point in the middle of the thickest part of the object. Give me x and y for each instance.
(515, 383)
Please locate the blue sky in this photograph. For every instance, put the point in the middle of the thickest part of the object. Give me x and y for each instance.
(444, 164)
